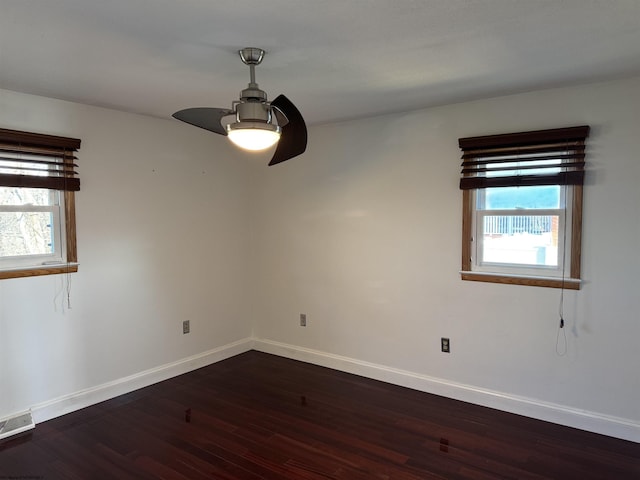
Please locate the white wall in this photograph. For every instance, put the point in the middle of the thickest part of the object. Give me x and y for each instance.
(362, 234)
(163, 228)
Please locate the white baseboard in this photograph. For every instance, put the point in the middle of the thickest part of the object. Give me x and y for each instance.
(84, 398)
(585, 420)
(560, 414)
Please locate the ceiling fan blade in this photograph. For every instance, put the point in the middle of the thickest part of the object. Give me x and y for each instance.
(204, 117)
(293, 140)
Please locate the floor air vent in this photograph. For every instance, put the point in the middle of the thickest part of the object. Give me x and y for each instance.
(16, 424)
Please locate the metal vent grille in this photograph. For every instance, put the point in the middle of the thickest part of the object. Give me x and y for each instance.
(16, 424)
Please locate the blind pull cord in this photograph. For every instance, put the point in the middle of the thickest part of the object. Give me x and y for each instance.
(561, 341)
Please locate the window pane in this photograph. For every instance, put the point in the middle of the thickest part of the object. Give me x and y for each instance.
(508, 198)
(26, 233)
(520, 240)
(27, 196)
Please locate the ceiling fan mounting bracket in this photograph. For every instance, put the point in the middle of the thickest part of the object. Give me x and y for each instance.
(251, 55)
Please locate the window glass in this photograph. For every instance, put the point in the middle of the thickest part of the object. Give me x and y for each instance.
(26, 233)
(31, 226)
(546, 196)
(520, 226)
(27, 196)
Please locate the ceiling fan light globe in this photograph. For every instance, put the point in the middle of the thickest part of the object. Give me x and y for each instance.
(253, 136)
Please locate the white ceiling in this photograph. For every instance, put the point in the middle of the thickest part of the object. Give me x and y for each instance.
(334, 59)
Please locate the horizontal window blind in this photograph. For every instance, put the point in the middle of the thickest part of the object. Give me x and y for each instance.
(542, 157)
(38, 161)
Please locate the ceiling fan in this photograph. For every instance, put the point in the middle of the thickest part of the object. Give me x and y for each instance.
(259, 124)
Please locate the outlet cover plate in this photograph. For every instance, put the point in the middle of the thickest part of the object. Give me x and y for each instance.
(186, 327)
(445, 345)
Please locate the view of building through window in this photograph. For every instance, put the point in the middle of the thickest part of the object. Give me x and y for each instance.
(519, 225)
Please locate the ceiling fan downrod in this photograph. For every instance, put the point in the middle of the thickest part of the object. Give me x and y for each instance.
(253, 101)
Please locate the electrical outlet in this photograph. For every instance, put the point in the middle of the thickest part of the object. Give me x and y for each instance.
(186, 327)
(303, 319)
(445, 345)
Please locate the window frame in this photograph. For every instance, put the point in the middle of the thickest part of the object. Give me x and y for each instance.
(572, 238)
(65, 185)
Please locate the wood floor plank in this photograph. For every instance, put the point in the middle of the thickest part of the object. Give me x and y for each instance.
(262, 417)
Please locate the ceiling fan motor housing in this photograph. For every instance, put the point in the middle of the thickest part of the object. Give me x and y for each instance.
(253, 112)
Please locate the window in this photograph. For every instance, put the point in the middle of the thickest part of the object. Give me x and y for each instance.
(522, 207)
(37, 204)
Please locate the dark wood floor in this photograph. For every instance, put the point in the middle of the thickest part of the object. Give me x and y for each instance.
(258, 416)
